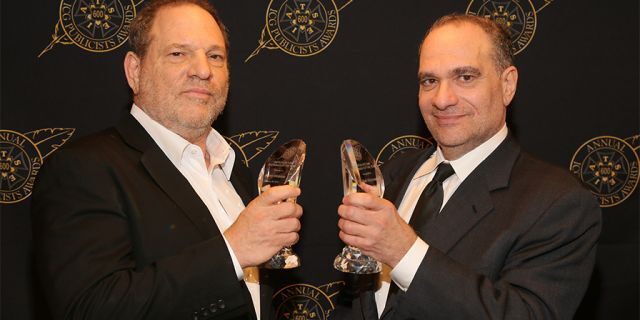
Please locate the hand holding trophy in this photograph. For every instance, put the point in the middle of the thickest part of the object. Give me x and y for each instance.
(283, 167)
(358, 166)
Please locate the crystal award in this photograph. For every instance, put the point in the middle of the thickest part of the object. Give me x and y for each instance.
(358, 166)
(283, 167)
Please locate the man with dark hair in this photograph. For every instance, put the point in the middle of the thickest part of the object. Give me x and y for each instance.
(147, 220)
(474, 228)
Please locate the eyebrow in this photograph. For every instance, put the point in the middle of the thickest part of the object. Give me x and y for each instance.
(453, 73)
(424, 75)
(465, 70)
(186, 46)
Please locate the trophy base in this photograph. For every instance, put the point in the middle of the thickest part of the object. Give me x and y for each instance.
(351, 260)
(284, 259)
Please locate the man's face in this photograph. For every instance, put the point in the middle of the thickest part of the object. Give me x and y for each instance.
(462, 96)
(183, 79)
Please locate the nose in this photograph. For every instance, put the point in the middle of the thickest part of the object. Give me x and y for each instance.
(199, 66)
(444, 96)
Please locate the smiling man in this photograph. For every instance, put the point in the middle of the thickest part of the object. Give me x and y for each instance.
(147, 220)
(474, 228)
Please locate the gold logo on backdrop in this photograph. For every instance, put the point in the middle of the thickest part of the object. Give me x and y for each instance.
(400, 145)
(518, 16)
(300, 28)
(252, 143)
(93, 25)
(306, 302)
(21, 157)
(609, 167)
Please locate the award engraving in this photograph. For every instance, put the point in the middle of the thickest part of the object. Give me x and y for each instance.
(358, 166)
(283, 167)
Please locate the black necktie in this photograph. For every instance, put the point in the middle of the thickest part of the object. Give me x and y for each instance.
(426, 209)
(431, 198)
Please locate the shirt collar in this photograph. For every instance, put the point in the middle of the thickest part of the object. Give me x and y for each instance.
(464, 165)
(174, 146)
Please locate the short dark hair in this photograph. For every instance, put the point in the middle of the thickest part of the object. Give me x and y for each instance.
(499, 35)
(139, 37)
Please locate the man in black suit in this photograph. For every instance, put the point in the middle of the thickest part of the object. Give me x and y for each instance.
(475, 228)
(147, 220)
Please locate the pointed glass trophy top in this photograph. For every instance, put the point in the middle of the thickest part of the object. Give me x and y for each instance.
(358, 166)
(283, 167)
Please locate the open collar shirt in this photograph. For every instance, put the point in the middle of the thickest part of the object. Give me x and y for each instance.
(211, 183)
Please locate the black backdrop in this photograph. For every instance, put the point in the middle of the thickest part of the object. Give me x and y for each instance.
(355, 77)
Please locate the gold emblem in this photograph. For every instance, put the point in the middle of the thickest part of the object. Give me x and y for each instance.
(21, 156)
(609, 167)
(93, 25)
(252, 143)
(301, 28)
(306, 302)
(400, 145)
(518, 16)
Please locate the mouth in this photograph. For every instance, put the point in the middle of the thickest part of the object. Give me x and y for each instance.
(201, 93)
(448, 119)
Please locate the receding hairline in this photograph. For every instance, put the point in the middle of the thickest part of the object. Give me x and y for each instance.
(496, 35)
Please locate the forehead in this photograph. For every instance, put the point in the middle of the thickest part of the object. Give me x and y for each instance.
(456, 44)
(186, 23)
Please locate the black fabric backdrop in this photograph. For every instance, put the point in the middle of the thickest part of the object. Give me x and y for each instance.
(577, 102)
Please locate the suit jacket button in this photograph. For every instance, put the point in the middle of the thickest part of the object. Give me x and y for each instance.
(213, 308)
(221, 304)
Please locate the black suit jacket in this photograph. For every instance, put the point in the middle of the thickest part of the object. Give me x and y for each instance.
(516, 240)
(119, 233)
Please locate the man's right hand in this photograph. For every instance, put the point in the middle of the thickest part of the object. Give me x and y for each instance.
(267, 224)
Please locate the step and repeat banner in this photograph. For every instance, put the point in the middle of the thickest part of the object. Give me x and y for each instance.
(324, 71)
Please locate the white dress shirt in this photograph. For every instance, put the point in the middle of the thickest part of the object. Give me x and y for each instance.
(210, 183)
(406, 269)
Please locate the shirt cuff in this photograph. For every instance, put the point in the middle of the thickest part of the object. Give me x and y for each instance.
(236, 263)
(406, 269)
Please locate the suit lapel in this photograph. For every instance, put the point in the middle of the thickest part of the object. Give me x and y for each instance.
(468, 205)
(167, 177)
(472, 200)
(241, 181)
(399, 181)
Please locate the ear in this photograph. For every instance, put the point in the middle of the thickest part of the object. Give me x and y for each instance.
(132, 71)
(509, 80)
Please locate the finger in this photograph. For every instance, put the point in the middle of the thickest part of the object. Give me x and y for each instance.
(370, 202)
(364, 200)
(287, 225)
(352, 240)
(292, 239)
(277, 194)
(286, 210)
(284, 239)
(355, 214)
(369, 189)
(352, 228)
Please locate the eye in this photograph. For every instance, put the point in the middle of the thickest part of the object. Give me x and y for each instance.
(217, 58)
(428, 83)
(176, 54)
(467, 78)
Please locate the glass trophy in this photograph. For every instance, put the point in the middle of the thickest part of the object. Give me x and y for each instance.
(358, 166)
(283, 167)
